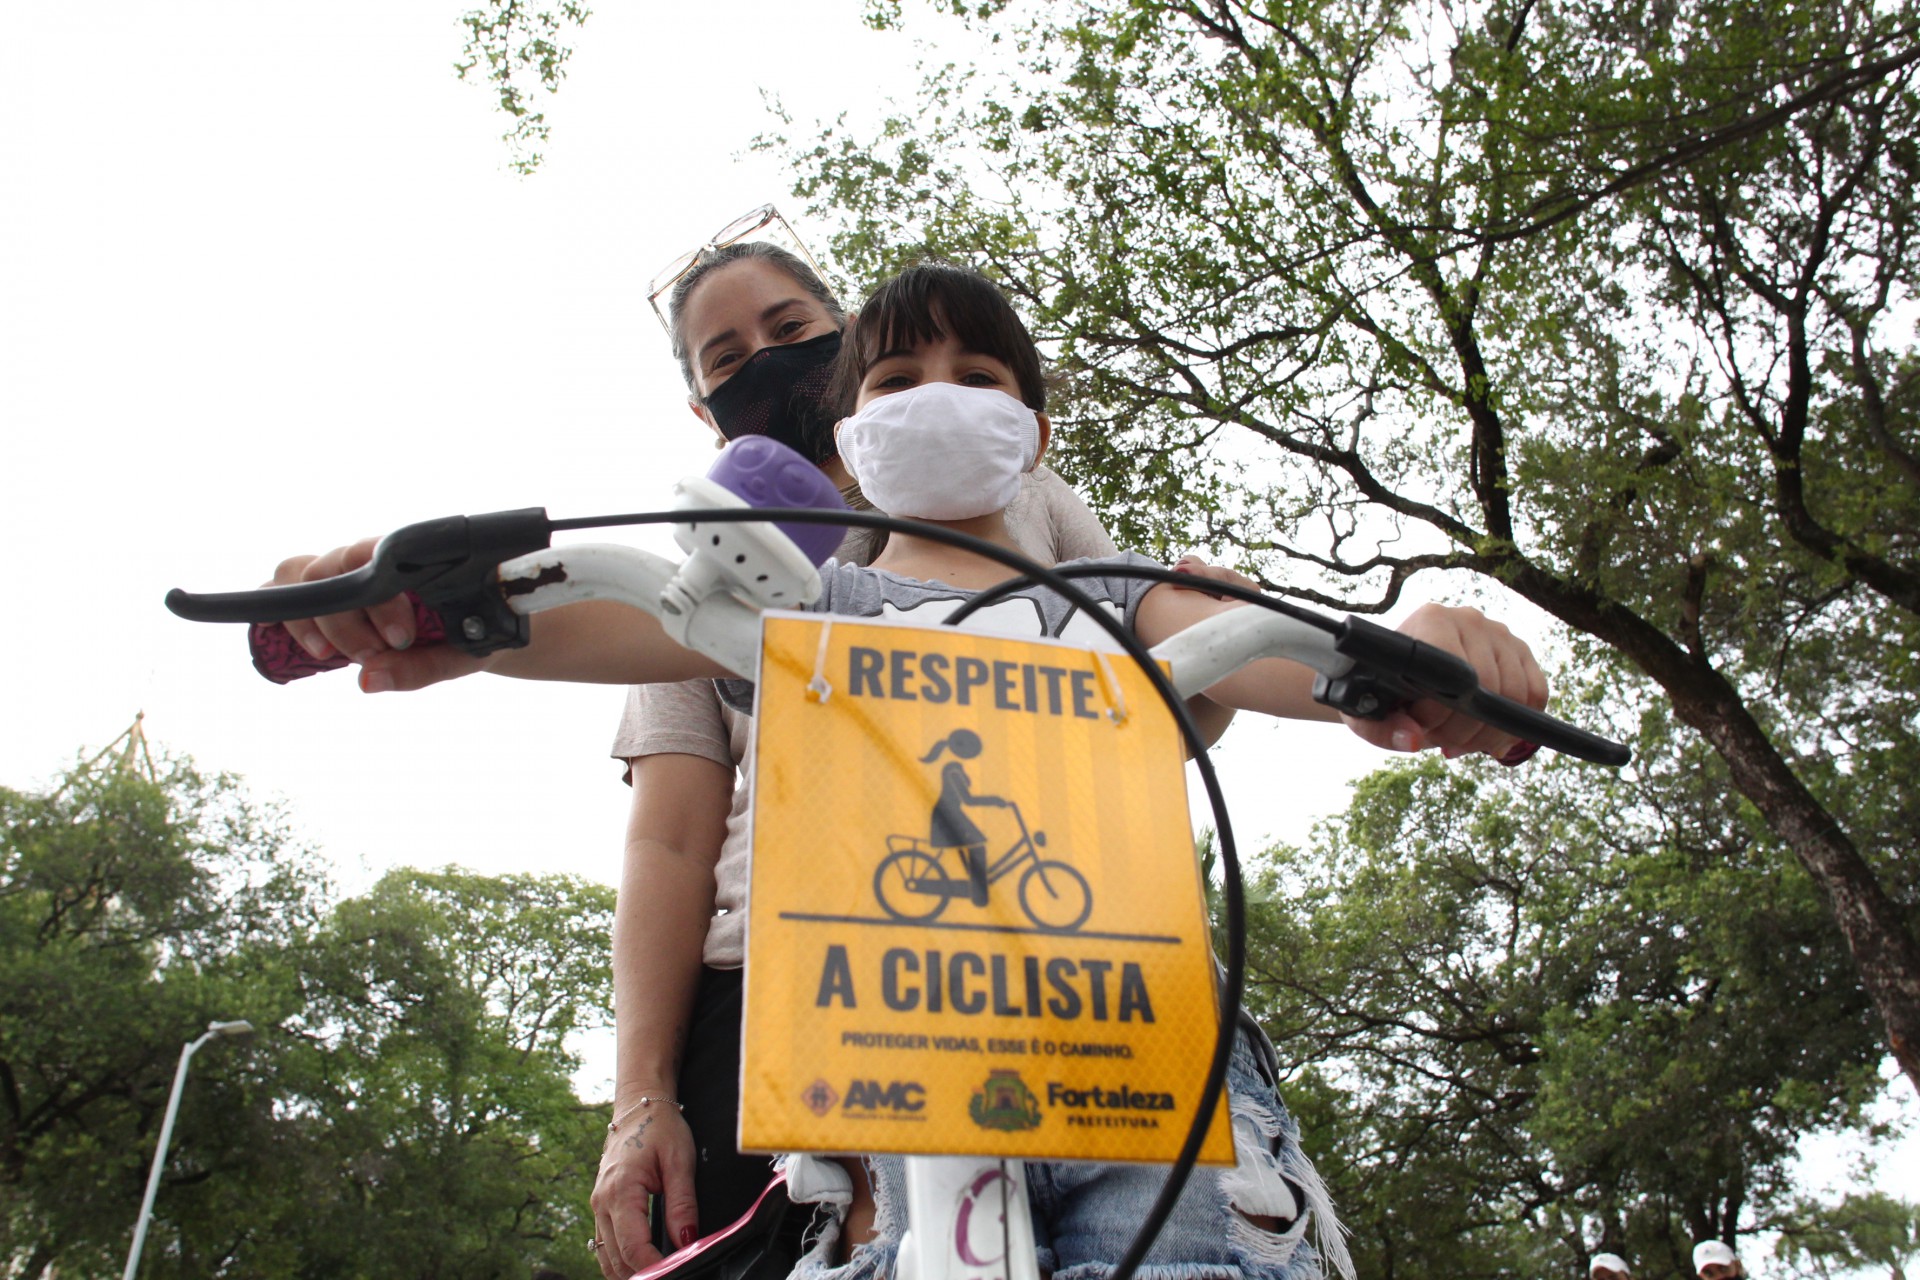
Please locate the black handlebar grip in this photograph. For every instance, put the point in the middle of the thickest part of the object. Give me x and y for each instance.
(1523, 721)
(444, 560)
(1435, 670)
(364, 587)
(1391, 669)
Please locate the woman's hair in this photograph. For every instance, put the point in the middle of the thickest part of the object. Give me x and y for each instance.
(711, 260)
(926, 303)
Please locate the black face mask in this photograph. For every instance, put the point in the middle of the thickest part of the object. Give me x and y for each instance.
(781, 392)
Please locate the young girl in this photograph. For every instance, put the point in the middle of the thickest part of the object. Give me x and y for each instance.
(947, 411)
(757, 334)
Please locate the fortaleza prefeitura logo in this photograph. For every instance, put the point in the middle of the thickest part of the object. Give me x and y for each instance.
(1005, 1103)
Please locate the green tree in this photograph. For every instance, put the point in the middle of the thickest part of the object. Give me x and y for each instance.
(515, 50)
(1606, 302)
(1532, 1017)
(135, 909)
(437, 1014)
(406, 1108)
(1863, 1231)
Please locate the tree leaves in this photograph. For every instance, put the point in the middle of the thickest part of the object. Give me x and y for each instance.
(1536, 1013)
(514, 48)
(405, 1108)
(1603, 302)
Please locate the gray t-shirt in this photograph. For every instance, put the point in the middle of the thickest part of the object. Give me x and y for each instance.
(853, 591)
(857, 592)
(1046, 518)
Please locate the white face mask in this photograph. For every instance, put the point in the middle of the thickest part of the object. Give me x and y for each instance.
(940, 451)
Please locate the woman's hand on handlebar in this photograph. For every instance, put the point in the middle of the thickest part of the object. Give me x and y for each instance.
(1505, 666)
(378, 640)
(650, 1155)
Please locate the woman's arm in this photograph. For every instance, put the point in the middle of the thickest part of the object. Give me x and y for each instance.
(1048, 519)
(595, 642)
(674, 830)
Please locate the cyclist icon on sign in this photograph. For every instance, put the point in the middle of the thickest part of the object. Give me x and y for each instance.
(950, 827)
(912, 882)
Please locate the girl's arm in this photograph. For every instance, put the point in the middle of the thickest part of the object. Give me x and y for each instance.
(1279, 687)
(1210, 717)
(674, 830)
(596, 642)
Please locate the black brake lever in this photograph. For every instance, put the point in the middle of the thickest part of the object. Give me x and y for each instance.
(1391, 670)
(449, 563)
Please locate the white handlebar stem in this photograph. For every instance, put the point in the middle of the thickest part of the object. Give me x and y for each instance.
(717, 625)
(1209, 651)
(967, 1219)
(727, 629)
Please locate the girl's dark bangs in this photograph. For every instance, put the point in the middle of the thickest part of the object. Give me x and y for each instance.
(907, 314)
(933, 301)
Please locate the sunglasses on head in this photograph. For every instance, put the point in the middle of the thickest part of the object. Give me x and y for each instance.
(741, 228)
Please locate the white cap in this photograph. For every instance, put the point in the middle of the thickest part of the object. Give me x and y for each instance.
(1610, 1261)
(1709, 1252)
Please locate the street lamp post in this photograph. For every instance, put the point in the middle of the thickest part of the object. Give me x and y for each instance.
(166, 1135)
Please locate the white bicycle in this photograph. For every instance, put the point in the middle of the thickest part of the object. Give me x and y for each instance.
(755, 530)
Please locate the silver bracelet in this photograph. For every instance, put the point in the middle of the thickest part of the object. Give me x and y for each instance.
(646, 1100)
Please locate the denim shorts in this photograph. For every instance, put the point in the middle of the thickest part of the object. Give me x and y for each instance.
(1085, 1215)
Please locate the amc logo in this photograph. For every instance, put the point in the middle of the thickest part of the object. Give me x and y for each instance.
(897, 1096)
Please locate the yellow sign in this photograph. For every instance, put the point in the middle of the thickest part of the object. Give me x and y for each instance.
(977, 923)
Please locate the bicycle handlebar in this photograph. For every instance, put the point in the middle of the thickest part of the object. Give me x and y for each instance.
(477, 571)
(1391, 670)
(449, 563)
(485, 573)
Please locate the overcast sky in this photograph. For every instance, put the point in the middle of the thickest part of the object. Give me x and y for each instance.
(270, 286)
(267, 285)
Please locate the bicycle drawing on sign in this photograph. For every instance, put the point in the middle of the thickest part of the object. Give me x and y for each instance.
(912, 882)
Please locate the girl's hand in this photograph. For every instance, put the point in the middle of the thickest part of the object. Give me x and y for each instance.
(379, 640)
(1190, 562)
(651, 1154)
(1505, 666)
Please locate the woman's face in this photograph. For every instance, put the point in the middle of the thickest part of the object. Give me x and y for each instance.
(941, 361)
(744, 307)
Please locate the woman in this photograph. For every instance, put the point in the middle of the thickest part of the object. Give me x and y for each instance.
(948, 826)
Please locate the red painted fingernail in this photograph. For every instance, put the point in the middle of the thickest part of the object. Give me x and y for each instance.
(1519, 753)
(687, 1236)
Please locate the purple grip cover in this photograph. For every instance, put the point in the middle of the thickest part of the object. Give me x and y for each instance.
(762, 472)
(278, 657)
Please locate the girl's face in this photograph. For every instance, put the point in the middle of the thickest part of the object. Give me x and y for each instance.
(941, 361)
(744, 307)
(944, 360)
